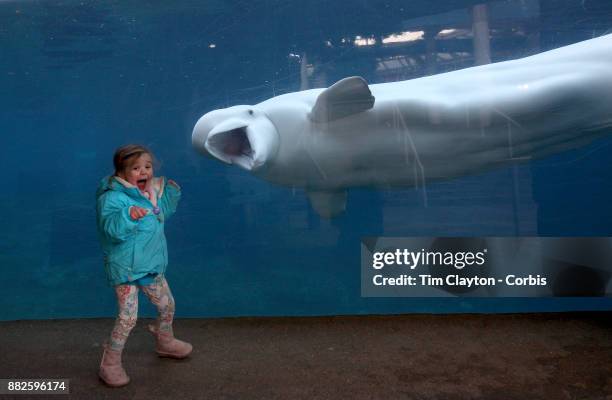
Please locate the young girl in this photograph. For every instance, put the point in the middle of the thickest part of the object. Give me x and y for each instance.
(132, 207)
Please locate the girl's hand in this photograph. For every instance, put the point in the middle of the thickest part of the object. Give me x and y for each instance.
(138, 212)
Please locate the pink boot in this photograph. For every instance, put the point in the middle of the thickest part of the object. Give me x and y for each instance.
(169, 346)
(111, 370)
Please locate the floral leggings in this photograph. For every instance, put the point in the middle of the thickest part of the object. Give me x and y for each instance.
(158, 293)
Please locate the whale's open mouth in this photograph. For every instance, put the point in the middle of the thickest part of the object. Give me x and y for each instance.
(232, 146)
(238, 136)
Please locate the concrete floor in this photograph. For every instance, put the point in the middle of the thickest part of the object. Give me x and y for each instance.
(534, 356)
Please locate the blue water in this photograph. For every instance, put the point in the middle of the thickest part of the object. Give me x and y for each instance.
(80, 78)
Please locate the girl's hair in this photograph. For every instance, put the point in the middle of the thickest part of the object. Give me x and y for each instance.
(124, 156)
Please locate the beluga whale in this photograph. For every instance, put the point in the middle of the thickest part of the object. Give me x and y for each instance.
(412, 132)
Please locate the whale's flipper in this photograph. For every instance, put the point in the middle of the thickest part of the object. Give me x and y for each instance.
(328, 204)
(346, 97)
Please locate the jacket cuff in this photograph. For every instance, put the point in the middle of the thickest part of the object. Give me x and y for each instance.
(173, 191)
(172, 187)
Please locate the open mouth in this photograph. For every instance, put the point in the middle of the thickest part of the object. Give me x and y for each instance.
(237, 137)
(141, 183)
(232, 146)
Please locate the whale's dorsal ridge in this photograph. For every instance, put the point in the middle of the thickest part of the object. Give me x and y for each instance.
(346, 97)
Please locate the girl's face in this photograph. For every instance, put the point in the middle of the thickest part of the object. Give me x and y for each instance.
(140, 171)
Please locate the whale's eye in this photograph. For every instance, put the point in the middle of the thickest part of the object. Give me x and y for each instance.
(250, 112)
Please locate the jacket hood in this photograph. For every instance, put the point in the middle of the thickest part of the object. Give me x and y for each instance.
(112, 183)
(115, 183)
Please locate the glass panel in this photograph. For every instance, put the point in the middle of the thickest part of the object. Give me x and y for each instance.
(79, 79)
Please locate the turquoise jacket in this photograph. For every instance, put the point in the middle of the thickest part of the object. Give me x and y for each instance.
(133, 249)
